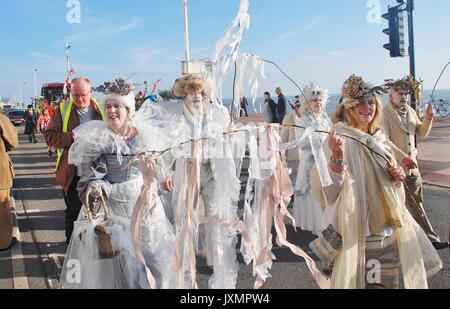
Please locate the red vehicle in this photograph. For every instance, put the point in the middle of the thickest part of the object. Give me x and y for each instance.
(17, 117)
(53, 92)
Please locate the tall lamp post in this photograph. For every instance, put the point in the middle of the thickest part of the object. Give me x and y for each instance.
(35, 82)
(67, 55)
(186, 36)
(68, 65)
(20, 92)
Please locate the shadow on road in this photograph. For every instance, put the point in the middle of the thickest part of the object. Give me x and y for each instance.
(42, 221)
(39, 194)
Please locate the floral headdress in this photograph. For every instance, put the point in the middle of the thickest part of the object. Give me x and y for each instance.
(355, 89)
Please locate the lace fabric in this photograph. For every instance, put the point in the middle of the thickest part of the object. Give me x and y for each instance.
(96, 146)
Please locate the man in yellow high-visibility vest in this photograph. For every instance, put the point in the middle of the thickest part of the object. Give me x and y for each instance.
(80, 109)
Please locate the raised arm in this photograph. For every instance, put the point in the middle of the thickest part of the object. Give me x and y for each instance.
(424, 128)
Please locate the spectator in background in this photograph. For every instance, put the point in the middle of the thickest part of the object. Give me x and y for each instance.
(244, 104)
(271, 109)
(140, 99)
(9, 233)
(281, 105)
(44, 121)
(31, 124)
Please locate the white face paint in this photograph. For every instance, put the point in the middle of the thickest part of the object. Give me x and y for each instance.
(117, 114)
(194, 102)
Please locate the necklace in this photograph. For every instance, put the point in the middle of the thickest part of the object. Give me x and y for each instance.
(128, 135)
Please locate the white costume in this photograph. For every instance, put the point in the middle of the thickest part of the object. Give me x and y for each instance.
(369, 216)
(108, 161)
(307, 212)
(210, 176)
(368, 210)
(205, 196)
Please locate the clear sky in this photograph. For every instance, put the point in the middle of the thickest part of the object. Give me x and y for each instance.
(322, 41)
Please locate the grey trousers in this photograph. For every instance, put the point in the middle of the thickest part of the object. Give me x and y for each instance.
(416, 208)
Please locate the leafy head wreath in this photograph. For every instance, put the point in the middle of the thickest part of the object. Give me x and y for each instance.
(119, 86)
(355, 89)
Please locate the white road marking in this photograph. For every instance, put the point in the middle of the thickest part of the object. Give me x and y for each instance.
(31, 211)
(18, 268)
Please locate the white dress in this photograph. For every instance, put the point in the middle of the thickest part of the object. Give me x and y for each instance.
(106, 159)
(307, 211)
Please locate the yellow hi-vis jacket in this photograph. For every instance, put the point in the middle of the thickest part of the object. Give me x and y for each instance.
(65, 114)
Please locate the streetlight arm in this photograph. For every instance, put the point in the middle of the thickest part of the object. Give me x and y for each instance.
(439, 78)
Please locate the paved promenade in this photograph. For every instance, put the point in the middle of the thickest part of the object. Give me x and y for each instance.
(36, 262)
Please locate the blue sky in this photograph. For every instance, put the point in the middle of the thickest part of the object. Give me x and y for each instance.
(321, 41)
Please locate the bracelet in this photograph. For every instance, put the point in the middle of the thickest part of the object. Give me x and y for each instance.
(337, 162)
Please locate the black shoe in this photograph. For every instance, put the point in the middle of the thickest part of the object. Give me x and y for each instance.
(35, 142)
(440, 245)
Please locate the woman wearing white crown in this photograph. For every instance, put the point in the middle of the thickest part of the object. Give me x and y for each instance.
(134, 248)
(307, 212)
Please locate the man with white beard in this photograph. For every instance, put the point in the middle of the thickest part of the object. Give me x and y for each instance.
(205, 186)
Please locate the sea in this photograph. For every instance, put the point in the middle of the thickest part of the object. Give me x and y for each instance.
(334, 100)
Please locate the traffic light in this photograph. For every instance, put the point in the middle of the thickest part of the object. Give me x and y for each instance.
(396, 32)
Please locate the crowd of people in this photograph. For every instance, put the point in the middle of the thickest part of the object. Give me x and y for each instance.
(148, 191)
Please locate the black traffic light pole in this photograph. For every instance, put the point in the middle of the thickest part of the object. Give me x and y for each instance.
(412, 56)
(396, 35)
